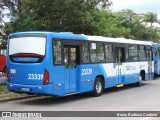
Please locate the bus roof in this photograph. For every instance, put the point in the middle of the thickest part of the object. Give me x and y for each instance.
(70, 35)
(119, 40)
(58, 35)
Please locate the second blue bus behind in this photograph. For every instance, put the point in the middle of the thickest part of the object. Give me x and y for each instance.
(156, 58)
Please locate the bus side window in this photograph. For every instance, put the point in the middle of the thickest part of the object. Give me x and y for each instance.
(100, 52)
(85, 52)
(142, 53)
(57, 52)
(93, 55)
(97, 52)
(133, 53)
(109, 52)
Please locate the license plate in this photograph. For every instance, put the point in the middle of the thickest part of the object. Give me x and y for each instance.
(120, 85)
(25, 89)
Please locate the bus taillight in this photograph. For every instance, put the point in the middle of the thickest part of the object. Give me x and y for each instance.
(7, 72)
(46, 77)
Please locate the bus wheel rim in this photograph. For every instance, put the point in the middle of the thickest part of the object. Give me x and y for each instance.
(98, 87)
(140, 79)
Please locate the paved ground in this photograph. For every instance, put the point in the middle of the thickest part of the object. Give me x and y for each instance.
(3, 80)
(129, 98)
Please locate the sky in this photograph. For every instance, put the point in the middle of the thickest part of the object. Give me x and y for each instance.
(138, 6)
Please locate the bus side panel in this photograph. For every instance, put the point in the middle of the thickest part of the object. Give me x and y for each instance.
(131, 71)
(110, 82)
(120, 76)
(57, 78)
(110, 74)
(56, 71)
(88, 74)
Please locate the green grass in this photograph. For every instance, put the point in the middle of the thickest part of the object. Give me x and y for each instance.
(6, 94)
(3, 89)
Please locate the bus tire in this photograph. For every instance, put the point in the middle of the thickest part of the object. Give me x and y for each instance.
(98, 87)
(139, 83)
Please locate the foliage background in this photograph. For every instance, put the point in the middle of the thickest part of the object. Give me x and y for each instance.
(91, 17)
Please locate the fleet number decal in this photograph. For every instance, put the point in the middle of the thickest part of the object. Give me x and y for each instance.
(35, 76)
(86, 71)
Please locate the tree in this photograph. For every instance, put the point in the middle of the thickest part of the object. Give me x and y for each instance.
(78, 16)
(151, 18)
(152, 30)
(136, 28)
(49, 15)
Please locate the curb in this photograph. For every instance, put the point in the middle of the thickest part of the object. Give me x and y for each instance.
(19, 98)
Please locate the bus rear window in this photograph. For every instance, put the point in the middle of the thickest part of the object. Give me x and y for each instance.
(27, 49)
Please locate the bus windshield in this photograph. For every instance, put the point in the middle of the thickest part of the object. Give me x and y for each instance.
(33, 47)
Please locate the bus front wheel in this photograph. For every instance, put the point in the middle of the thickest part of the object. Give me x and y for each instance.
(98, 87)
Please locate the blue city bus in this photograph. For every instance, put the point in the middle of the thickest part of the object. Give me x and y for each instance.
(156, 58)
(61, 64)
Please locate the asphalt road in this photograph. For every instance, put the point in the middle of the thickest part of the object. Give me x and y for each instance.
(128, 98)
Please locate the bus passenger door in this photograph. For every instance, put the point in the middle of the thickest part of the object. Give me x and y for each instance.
(119, 58)
(70, 61)
(149, 59)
